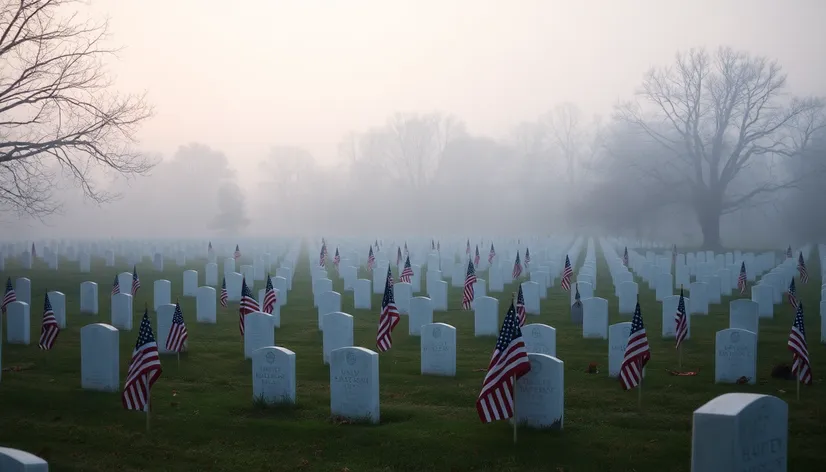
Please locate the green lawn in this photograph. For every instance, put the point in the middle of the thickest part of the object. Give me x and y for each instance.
(204, 418)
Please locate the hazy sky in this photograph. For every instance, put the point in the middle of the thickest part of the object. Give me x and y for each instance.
(241, 76)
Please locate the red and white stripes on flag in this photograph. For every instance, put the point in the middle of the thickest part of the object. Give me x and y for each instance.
(10, 296)
(470, 279)
(681, 321)
(116, 286)
(371, 260)
(269, 297)
(476, 257)
(144, 369)
(389, 317)
(491, 254)
(637, 353)
(49, 329)
(237, 253)
(742, 279)
(177, 332)
(517, 267)
(801, 268)
(247, 306)
(508, 363)
(800, 350)
(407, 272)
(224, 294)
(521, 313)
(136, 282)
(567, 273)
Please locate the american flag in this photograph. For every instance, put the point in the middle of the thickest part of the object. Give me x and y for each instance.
(407, 272)
(527, 256)
(247, 306)
(10, 295)
(371, 260)
(625, 257)
(674, 255)
(793, 294)
(800, 351)
(406, 252)
(224, 294)
(801, 267)
(398, 255)
(144, 369)
(681, 320)
(237, 254)
(789, 253)
(49, 330)
(637, 353)
(438, 245)
(432, 245)
(34, 251)
(322, 256)
(741, 279)
(517, 267)
(520, 307)
(116, 286)
(269, 297)
(566, 275)
(467, 247)
(577, 297)
(508, 363)
(491, 254)
(177, 332)
(209, 248)
(476, 257)
(136, 282)
(337, 258)
(470, 279)
(389, 317)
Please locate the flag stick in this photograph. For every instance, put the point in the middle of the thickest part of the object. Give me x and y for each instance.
(798, 385)
(513, 300)
(639, 392)
(148, 407)
(179, 359)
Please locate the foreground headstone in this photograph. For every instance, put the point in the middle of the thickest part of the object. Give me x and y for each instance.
(15, 460)
(273, 375)
(438, 349)
(540, 397)
(735, 356)
(19, 323)
(99, 357)
(539, 338)
(740, 432)
(354, 384)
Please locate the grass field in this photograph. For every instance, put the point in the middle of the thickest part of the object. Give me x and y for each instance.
(204, 417)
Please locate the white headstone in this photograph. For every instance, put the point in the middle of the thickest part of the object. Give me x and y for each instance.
(421, 313)
(740, 432)
(89, 298)
(18, 323)
(539, 338)
(361, 294)
(627, 297)
(530, 291)
(595, 318)
(743, 314)
(58, 301)
(617, 341)
(206, 305)
(191, 282)
(354, 384)
(273, 375)
(486, 316)
(23, 290)
(735, 356)
(402, 293)
(15, 460)
(669, 325)
(211, 274)
(162, 293)
(121, 317)
(540, 394)
(338, 332)
(234, 283)
(99, 357)
(438, 349)
(328, 302)
(259, 331)
(763, 294)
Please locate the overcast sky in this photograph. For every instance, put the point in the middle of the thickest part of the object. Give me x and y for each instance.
(244, 75)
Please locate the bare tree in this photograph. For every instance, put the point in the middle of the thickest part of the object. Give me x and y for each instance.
(565, 134)
(410, 146)
(57, 109)
(717, 117)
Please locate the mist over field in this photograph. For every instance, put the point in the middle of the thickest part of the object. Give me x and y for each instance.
(686, 125)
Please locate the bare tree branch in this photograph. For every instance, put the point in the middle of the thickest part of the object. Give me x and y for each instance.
(57, 108)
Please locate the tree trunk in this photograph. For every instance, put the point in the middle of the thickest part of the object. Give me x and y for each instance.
(709, 219)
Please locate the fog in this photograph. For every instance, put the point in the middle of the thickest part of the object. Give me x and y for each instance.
(645, 119)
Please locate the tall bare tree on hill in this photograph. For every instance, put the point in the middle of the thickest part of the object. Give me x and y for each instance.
(58, 111)
(722, 121)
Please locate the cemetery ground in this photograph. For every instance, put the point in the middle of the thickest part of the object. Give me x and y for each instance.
(204, 417)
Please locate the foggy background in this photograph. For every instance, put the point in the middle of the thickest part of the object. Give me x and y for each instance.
(432, 117)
